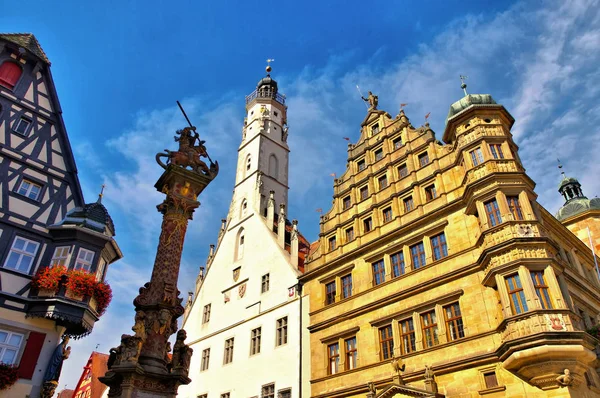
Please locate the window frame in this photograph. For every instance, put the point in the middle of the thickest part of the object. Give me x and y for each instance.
(350, 233)
(492, 212)
(29, 189)
(4, 346)
(378, 269)
(350, 354)
(22, 253)
(382, 181)
(398, 264)
(17, 124)
(496, 151)
(402, 170)
(332, 243)
(439, 243)
(205, 361)
(330, 292)
(542, 290)
(423, 156)
(430, 193)
(514, 206)
(206, 313)
(408, 336)
(408, 204)
(454, 323)
(56, 259)
(281, 331)
(518, 293)
(375, 129)
(255, 341)
(418, 254)
(429, 323)
(378, 154)
(476, 156)
(368, 224)
(363, 192)
(333, 358)
(84, 261)
(346, 287)
(387, 214)
(228, 352)
(265, 282)
(397, 143)
(346, 202)
(386, 342)
(361, 165)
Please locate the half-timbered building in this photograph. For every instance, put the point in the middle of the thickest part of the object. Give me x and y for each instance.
(44, 220)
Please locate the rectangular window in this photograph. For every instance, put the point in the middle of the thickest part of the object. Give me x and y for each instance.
(386, 342)
(226, 395)
(60, 256)
(408, 204)
(332, 245)
(490, 379)
(333, 353)
(330, 293)
(22, 126)
(29, 189)
(541, 289)
(383, 181)
(281, 332)
(10, 344)
(454, 323)
(21, 255)
(206, 314)
(284, 393)
(368, 224)
(351, 353)
(361, 165)
(407, 336)
(264, 284)
(100, 270)
(417, 255)
(496, 150)
(397, 264)
(397, 143)
(387, 214)
(430, 329)
(516, 294)
(347, 286)
(347, 203)
(439, 247)
(350, 234)
(493, 212)
(228, 354)
(430, 192)
(402, 171)
(515, 207)
(255, 341)
(423, 159)
(476, 156)
(378, 272)
(375, 129)
(364, 193)
(205, 359)
(199, 396)
(84, 260)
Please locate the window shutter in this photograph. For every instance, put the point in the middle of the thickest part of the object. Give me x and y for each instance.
(9, 74)
(29, 359)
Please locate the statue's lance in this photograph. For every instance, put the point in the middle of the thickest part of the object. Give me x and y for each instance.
(361, 96)
(191, 125)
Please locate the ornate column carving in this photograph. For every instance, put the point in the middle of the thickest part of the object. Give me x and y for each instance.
(141, 364)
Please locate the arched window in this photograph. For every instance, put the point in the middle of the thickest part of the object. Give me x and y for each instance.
(243, 208)
(239, 248)
(273, 166)
(10, 74)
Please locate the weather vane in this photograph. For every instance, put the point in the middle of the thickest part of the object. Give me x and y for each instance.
(560, 166)
(269, 69)
(463, 84)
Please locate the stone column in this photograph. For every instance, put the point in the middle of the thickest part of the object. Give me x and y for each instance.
(140, 366)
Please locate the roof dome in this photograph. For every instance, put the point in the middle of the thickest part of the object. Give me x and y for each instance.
(467, 101)
(93, 216)
(576, 202)
(267, 82)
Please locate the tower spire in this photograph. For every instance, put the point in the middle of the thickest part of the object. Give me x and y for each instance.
(101, 193)
(463, 84)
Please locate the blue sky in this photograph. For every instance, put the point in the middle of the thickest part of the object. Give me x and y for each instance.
(120, 66)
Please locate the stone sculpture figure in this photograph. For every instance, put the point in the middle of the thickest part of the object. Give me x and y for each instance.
(565, 379)
(372, 99)
(182, 353)
(189, 154)
(50, 381)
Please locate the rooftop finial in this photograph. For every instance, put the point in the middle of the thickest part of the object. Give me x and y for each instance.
(101, 193)
(463, 84)
(268, 68)
(560, 166)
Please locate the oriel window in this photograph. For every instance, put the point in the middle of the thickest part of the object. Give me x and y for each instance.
(496, 150)
(476, 156)
(518, 304)
(493, 212)
(60, 256)
(515, 207)
(541, 289)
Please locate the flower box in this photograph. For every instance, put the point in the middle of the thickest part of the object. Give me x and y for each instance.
(46, 293)
(73, 295)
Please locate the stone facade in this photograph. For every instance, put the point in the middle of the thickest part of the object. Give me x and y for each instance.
(438, 255)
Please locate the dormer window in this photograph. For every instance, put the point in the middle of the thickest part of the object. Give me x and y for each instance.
(375, 129)
(10, 73)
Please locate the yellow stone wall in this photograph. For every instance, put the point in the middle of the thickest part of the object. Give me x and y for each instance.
(479, 258)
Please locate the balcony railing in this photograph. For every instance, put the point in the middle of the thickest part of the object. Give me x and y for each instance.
(265, 93)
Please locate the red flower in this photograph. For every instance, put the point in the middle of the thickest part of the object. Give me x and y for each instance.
(103, 296)
(48, 278)
(9, 374)
(81, 283)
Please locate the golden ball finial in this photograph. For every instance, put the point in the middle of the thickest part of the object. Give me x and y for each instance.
(268, 69)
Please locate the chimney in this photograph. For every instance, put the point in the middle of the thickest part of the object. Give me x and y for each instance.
(281, 226)
(271, 209)
(294, 244)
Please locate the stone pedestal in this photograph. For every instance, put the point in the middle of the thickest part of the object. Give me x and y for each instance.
(140, 366)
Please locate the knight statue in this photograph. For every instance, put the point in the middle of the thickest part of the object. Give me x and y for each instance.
(191, 150)
(372, 99)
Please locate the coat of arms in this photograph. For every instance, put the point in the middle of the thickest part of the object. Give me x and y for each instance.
(242, 290)
(236, 274)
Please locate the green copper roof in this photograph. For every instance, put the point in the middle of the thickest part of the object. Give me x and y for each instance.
(567, 180)
(577, 206)
(468, 101)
